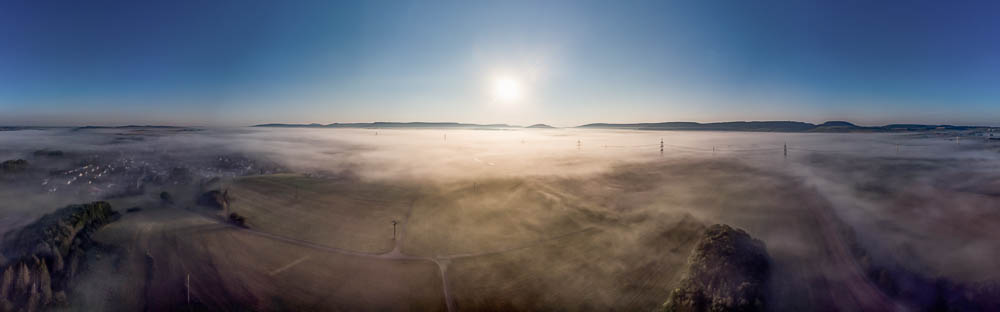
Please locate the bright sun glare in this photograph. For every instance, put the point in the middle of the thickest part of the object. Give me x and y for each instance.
(506, 89)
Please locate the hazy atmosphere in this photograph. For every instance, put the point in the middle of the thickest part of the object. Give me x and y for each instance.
(546, 205)
(239, 63)
(675, 156)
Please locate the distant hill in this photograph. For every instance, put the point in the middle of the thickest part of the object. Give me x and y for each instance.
(752, 126)
(838, 126)
(388, 125)
(127, 127)
(18, 128)
(775, 126)
(766, 126)
(541, 126)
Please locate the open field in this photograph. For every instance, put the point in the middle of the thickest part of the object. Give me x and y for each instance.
(342, 213)
(580, 155)
(599, 270)
(510, 220)
(234, 269)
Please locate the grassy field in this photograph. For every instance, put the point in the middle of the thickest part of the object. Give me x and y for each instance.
(611, 269)
(339, 213)
(321, 243)
(231, 269)
(617, 240)
(490, 215)
(510, 220)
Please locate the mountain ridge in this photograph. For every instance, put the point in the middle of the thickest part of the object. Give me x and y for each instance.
(835, 126)
(778, 126)
(385, 124)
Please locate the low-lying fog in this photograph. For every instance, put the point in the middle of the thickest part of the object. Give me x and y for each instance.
(924, 201)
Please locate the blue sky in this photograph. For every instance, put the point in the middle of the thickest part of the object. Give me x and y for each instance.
(575, 62)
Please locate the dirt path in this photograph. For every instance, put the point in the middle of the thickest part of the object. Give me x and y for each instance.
(443, 268)
(867, 296)
(842, 263)
(288, 266)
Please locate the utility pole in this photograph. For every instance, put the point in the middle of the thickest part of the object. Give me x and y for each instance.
(713, 150)
(225, 201)
(661, 146)
(187, 285)
(786, 149)
(394, 222)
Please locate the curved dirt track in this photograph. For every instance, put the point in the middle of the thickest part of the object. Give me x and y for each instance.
(864, 293)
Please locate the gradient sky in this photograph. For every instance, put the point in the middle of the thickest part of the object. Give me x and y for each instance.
(246, 62)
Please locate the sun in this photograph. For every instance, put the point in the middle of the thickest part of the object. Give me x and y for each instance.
(507, 89)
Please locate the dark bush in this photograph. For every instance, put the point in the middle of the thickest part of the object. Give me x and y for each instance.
(727, 271)
(48, 153)
(166, 198)
(214, 199)
(14, 165)
(237, 219)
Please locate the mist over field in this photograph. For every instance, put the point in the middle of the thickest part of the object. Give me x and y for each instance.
(521, 219)
(672, 156)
